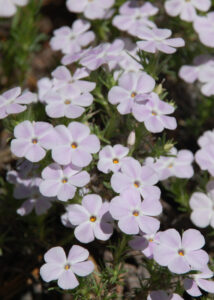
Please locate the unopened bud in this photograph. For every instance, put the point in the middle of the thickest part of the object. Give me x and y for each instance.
(168, 146)
(131, 139)
(158, 89)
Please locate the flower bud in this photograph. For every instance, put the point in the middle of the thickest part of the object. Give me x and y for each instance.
(131, 139)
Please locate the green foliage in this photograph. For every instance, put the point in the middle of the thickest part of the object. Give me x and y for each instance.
(23, 41)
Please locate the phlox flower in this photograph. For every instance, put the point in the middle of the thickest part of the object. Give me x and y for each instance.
(130, 85)
(74, 145)
(134, 177)
(63, 77)
(32, 139)
(191, 73)
(8, 7)
(186, 9)
(64, 217)
(92, 219)
(13, 102)
(103, 54)
(70, 59)
(202, 206)
(95, 9)
(162, 295)
(180, 255)
(203, 71)
(25, 171)
(204, 26)
(35, 200)
(157, 39)
(62, 181)
(146, 242)
(178, 165)
(133, 214)
(134, 16)
(205, 76)
(154, 113)
(111, 158)
(63, 269)
(128, 57)
(72, 40)
(199, 280)
(44, 85)
(205, 158)
(206, 139)
(67, 102)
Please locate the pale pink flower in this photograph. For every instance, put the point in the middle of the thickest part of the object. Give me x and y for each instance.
(63, 269)
(72, 40)
(156, 39)
(8, 8)
(186, 9)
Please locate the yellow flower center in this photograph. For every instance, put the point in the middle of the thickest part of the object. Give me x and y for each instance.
(135, 213)
(150, 240)
(181, 252)
(133, 94)
(34, 141)
(170, 165)
(115, 161)
(154, 113)
(67, 267)
(136, 184)
(67, 102)
(93, 218)
(64, 180)
(74, 145)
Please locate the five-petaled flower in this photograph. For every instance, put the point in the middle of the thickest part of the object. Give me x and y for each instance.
(13, 102)
(133, 177)
(181, 254)
(111, 158)
(186, 9)
(75, 145)
(157, 39)
(92, 219)
(133, 214)
(62, 181)
(32, 139)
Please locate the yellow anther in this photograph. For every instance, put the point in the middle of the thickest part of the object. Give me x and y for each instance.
(115, 161)
(64, 180)
(181, 252)
(133, 94)
(74, 145)
(34, 141)
(67, 102)
(135, 213)
(136, 184)
(93, 218)
(67, 267)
